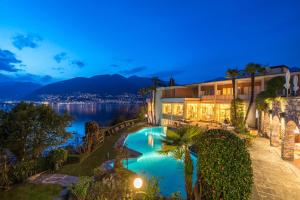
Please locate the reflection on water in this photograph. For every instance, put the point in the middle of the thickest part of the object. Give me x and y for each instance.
(84, 112)
(101, 113)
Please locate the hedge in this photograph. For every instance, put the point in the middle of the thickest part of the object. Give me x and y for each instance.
(224, 166)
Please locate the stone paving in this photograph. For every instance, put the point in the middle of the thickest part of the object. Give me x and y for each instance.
(60, 179)
(273, 178)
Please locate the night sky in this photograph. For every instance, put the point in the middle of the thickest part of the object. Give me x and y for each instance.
(190, 40)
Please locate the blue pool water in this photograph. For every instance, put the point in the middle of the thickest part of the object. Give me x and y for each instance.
(169, 171)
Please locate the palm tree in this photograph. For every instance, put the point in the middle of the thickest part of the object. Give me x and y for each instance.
(178, 143)
(143, 92)
(252, 69)
(233, 74)
(156, 82)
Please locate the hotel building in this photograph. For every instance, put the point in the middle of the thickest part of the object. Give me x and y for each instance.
(209, 101)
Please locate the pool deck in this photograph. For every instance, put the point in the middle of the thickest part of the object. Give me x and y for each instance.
(274, 178)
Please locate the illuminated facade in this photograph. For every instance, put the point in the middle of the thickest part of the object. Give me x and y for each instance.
(209, 101)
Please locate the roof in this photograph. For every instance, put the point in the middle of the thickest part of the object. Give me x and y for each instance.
(292, 69)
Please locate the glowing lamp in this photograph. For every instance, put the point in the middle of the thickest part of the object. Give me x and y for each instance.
(137, 183)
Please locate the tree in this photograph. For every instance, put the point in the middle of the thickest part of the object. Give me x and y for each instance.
(30, 129)
(143, 92)
(252, 69)
(178, 143)
(171, 82)
(156, 82)
(233, 74)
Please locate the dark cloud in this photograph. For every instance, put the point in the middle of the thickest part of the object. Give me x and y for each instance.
(78, 63)
(26, 77)
(114, 65)
(21, 41)
(168, 73)
(8, 61)
(60, 57)
(133, 70)
(126, 60)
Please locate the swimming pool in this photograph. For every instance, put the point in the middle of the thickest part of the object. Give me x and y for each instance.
(169, 171)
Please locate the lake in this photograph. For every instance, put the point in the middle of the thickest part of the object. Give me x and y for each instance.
(102, 113)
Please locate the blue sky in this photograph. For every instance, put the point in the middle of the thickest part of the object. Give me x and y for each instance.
(189, 40)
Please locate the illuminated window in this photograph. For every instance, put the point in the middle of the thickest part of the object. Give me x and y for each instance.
(207, 112)
(224, 112)
(177, 109)
(166, 108)
(192, 111)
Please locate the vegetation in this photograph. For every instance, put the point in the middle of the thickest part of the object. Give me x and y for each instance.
(28, 191)
(94, 159)
(233, 74)
(224, 166)
(93, 136)
(238, 120)
(273, 89)
(252, 69)
(56, 158)
(27, 130)
(178, 143)
(156, 82)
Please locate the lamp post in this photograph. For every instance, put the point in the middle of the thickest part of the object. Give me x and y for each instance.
(138, 184)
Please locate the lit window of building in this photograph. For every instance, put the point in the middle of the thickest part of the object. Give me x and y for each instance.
(177, 109)
(192, 111)
(166, 108)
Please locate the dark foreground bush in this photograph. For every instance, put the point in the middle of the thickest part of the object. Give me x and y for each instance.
(224, 166)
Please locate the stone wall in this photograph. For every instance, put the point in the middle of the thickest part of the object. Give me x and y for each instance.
(280, 123)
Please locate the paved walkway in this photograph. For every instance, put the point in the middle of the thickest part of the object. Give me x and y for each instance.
(60, 179)
(273, 178)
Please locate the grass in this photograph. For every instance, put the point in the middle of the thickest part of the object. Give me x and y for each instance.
(96, 158)
(29, 191)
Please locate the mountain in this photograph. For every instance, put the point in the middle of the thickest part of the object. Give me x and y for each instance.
(16, 90)
(100, 84)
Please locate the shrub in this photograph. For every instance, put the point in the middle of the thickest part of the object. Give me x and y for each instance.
(80, 189)
(57, 157)
(238, 122)
(76, 158)
(224, 166)
(4, 172)
(22, 170)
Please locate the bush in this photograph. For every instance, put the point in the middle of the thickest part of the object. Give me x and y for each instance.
(22, 170)
(76, 158)
(80, 189)
(224, 166)
(57, 157)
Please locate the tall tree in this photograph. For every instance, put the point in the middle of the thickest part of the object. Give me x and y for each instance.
(233, 74)
(30, 129)
(143, 92)
(177, 143)
(171, 82)
(155, 83)
(252, 69)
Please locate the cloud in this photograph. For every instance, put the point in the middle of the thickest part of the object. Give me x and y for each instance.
(26, 77)
(133, 70)
(168, 73)
(114, 65)
(21, 41)
(78, 63)
(8, 61)
(60, 57)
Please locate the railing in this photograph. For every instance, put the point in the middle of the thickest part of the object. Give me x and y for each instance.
(120, 126)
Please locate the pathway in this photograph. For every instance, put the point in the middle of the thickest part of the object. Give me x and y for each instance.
(60, 179)
(273, 178)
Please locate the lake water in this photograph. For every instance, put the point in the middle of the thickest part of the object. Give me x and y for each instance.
(84, 112)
